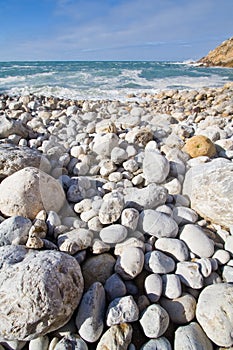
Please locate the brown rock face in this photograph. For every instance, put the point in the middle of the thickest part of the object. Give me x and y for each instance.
(221, 56)
(199, 145)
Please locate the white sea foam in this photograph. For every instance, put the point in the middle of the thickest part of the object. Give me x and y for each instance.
(12, 79)
(43, 74)
(109, 89)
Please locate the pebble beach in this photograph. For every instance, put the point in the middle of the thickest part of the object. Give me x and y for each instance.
(116, 222)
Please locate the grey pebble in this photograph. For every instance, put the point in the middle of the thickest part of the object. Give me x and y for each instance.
(154, 321)
(153, 287)
(114, 287)
(160, 343)
(159, 262)
(90, 314)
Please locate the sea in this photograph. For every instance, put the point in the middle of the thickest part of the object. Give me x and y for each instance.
(109, 80)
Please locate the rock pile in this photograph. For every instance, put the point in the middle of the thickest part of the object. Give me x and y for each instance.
(116, 222)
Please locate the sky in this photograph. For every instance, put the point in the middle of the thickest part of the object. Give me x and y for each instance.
(154, 30)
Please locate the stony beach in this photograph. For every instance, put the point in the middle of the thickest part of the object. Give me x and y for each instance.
(117, 222)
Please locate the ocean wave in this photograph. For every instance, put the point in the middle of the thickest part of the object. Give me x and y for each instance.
(43, 74)
(107, 80)
(114, 91)
(12, 79)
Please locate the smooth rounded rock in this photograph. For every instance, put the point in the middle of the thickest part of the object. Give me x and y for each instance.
(153, 287)
(114, 287)
(71, 341)
(155, 166)
(49, 288)
(192, 337)
(90, 315)
(227, 274)
(40, 343)
(113, 234)
(181, 310)
(159, 262)
(222, 256)
(215, 313)
(160, 343)
(171, 286)
(197, 241)
(29, 191)
(229, 244)
(154, 321)
(174, 247)
(118, 155)
(97, 268)
(184, 215)
(157, 224)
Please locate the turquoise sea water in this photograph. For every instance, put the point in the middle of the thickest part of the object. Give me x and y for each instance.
(106, 80)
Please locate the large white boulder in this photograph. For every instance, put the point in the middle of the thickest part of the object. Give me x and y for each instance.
(210, 189)
(39, 291)
(215, 313)
(29, 191)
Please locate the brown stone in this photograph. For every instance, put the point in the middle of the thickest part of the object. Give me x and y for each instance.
(199, 145)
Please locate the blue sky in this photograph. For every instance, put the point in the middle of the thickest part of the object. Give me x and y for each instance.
(112, 29)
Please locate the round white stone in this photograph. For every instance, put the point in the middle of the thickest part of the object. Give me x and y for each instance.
(153, 287)
(154, 321)
(157, 224)
(157, 344)
(174, 247)
(197, 241)
(171, 286)
(155, 166)
(159, 262)
(113, 234)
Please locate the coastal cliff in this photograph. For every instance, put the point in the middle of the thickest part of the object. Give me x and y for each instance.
(221, 56)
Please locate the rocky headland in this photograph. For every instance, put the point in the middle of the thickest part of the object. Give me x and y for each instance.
(221, 56)
(116, 222)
